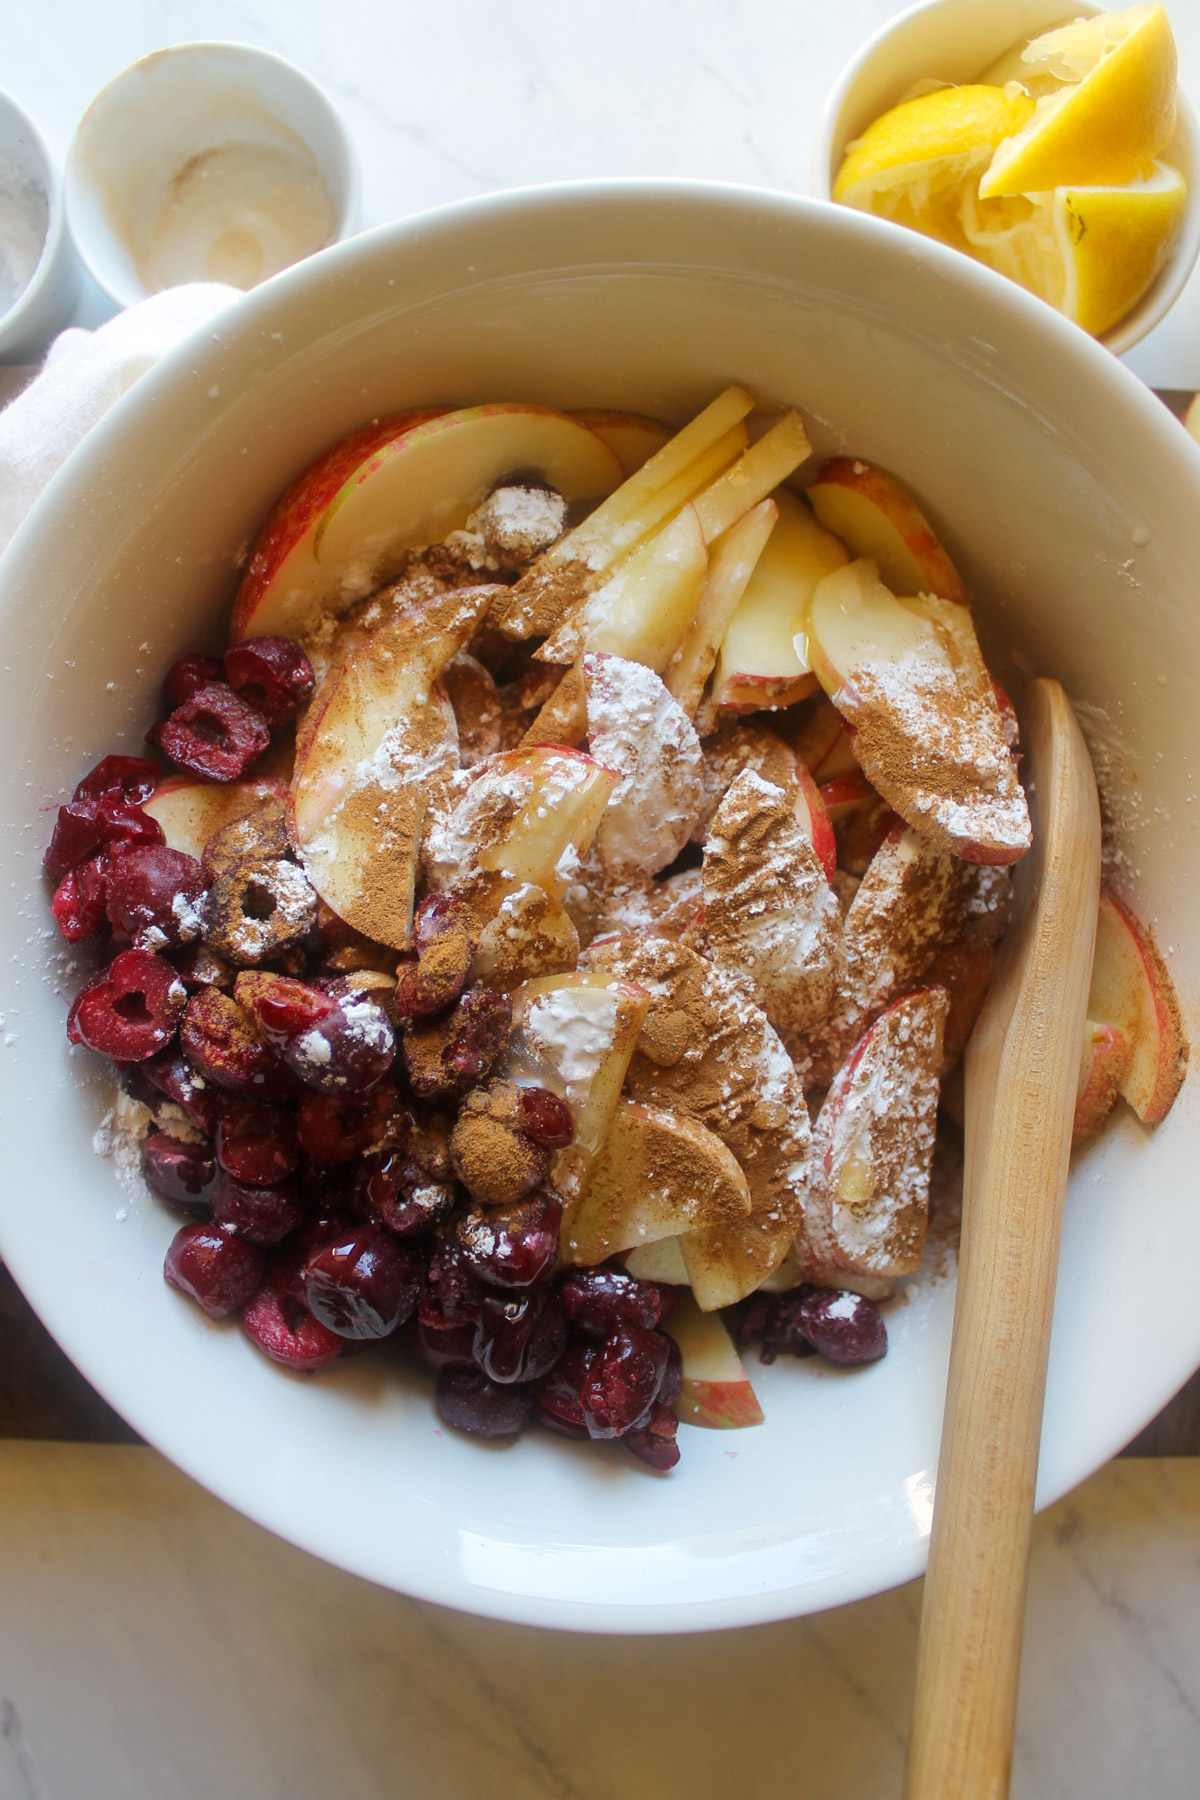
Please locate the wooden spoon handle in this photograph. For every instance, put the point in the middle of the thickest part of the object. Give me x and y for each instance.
(1022, 1069)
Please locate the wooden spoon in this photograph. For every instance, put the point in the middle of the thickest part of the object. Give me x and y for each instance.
(1022, 1068)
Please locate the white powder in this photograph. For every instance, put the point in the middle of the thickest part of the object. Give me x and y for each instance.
(638, 729)
(120, 1135)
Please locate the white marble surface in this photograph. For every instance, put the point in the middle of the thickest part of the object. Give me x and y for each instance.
(154, 1646)
(456, 98)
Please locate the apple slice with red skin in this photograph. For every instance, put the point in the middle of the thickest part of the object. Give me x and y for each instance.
(1132, 990)
(738, 745)
(282, 550)
(1103, 1071)
(875, 516)
(575, 1034)
(658, 1174)
(908, 677)
(383, 748)
(422, 483)
(758, 664)
(730, 567)
(632, 437)
(873, 1143)
(189, 811)
(716, 1390)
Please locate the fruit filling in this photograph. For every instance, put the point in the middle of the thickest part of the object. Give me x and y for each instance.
(549, 938)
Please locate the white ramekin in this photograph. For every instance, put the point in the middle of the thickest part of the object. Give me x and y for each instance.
(47, 297)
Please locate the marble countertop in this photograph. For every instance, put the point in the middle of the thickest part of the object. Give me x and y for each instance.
(154, 1645)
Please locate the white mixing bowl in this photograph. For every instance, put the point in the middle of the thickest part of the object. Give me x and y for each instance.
(1067, 496)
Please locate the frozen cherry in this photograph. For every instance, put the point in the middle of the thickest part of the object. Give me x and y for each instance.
(199, 967)
(85, 828)
(222, 1041)
(256, 1144)
(260, 1215)
(442, 1347)
(443, 1056)
(169, 1077)
(397, 1192)
(183, 1173)
(130, 1011)
(286, 1261)
(672, 1381)
(512, 1246)
(127, 780)
(558, 1394)
(599, 1301)
(186, 677)
(215, 734)
(154, 896)
(654, 1442)
(220, 1273)
(285, 1330)
(80, 903)
(519, 1337)
(844, 1328)
(273, 674)
(337, 1128)
(624, 1380)
(452, 1291)
(363, 1285)
(445, 945)
(466, 1399)
(779, 1320)
(332, 1045)
(546, 1118)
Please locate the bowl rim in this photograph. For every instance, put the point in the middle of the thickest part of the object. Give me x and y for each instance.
(94, 455)
(1171, 279)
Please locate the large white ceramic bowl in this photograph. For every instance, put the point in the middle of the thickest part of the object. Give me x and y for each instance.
(1067, 496)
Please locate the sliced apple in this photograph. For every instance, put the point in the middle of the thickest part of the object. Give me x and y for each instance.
(660, 1261)
(1103, 1071)
(658, 1174)
(757, 472)
(908, 676)
(706, 1051)
(282, 554)
(1132, 990)
(738, 745)
(189, 811)
(875, 516)
(412, 490)
(383, 748)
(675, 475)
(632, 437)
(859, 817)
(530, 934)
(637, 729)
(730, 567)
(758, 665)
(645, 607)
(528, 815)
(964, 970)
(716, 1390)
(575, 1035)
(873, 1143)
(769, 912)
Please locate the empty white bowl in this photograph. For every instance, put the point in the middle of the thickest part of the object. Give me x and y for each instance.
(39, 276)
(1068, 497)
(153, 145)
(955, 41)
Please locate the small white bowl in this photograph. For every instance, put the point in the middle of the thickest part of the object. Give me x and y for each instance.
(147, 131)
(39, 276)
(956, 40)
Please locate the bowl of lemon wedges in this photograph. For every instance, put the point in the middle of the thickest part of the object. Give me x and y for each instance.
(1058, 152)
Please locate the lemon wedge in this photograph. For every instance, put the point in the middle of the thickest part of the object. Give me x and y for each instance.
(908, 163)
(1092, 252)
(1108, 123)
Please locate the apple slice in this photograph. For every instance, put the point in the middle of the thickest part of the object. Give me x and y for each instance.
(758, 664)
(530, 934)
(645, 607)
(658, 1174)
(860, 820)
(735, 746)
(528, 815)
(189, 811)
(907, 675)
(383, 749)
(1132, 989)
(638, 730)
(575, 1035)
(875, 516)
(768, 910)
(873, 1143)
(1103, 1071)
(632, 437)
(730, 567)
(716, 1390)
(776, 455)
(283, 550)
(660, 1261)
(675, 475)
(420, 484)
(706, 1051)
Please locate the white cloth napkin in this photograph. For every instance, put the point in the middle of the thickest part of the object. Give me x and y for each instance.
(84, 372)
